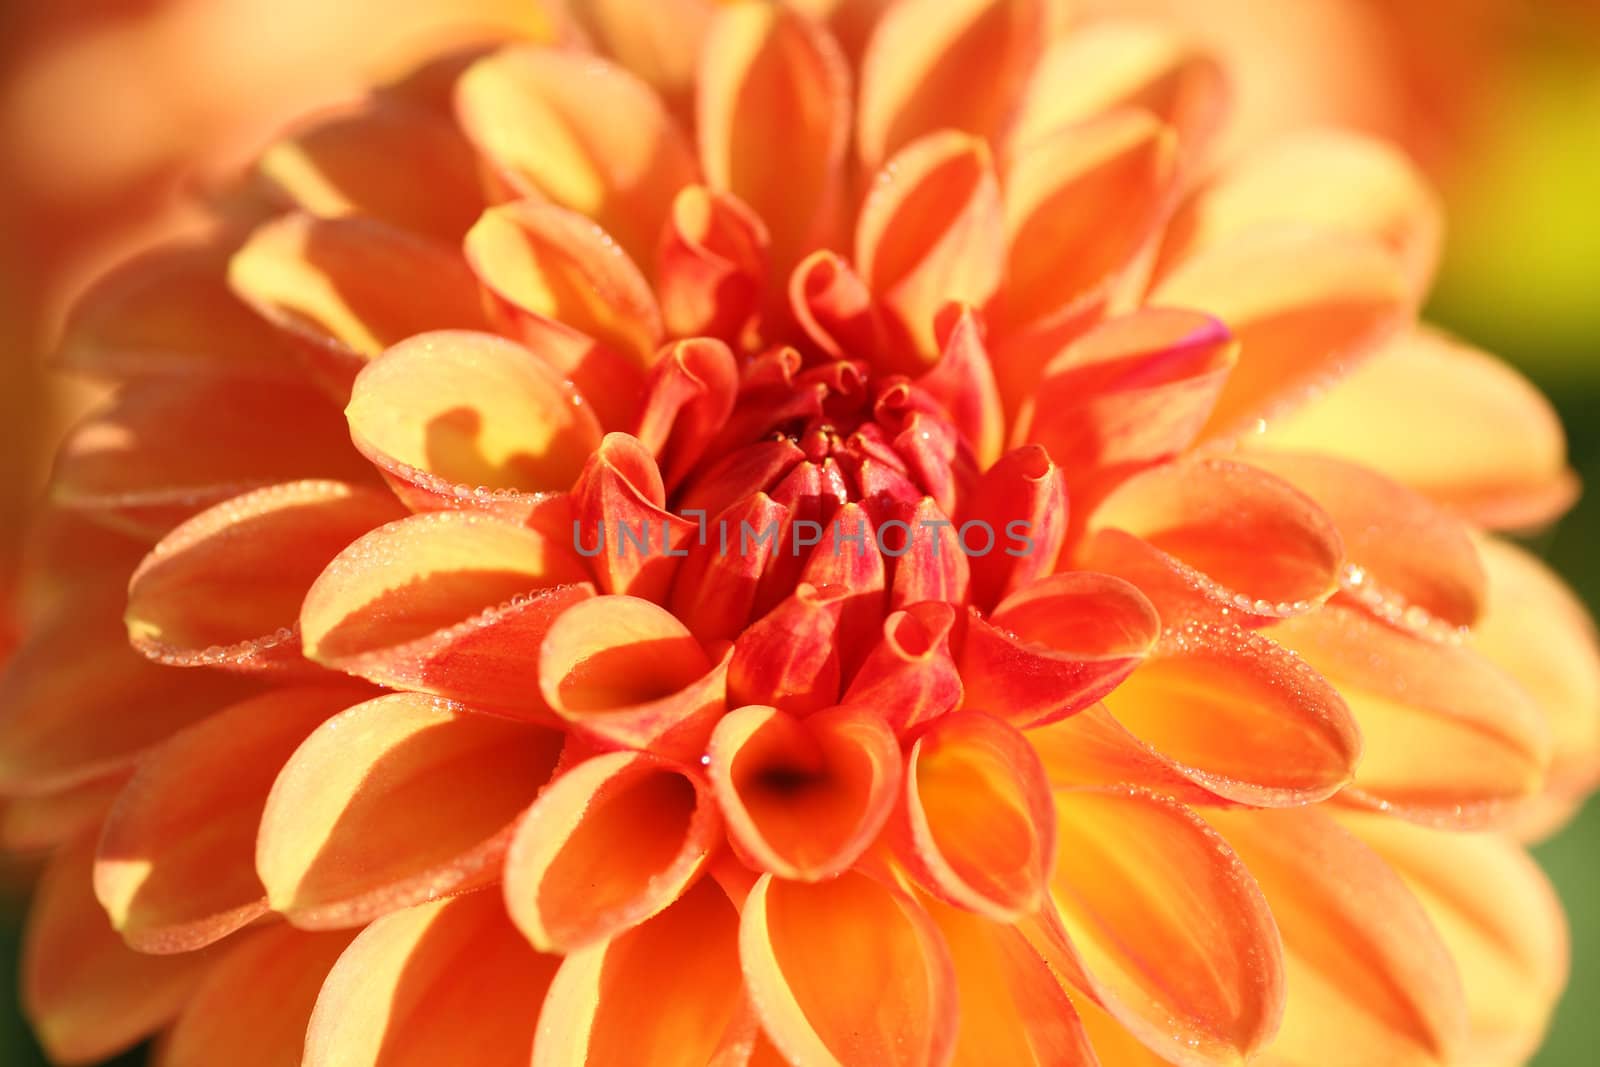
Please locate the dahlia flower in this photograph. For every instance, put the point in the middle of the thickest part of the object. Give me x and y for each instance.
(821, 533)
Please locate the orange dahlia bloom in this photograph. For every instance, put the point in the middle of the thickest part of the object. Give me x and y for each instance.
(798, 533)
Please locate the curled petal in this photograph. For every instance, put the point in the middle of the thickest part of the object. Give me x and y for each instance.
(963, 381)
(894, 1006)
(1055, 647)
(712, 265)
(931, 232)
(171, 312)
(438, 983)
(345, 289)
(392, 802)
(176, 868)
(1447, 737)
(449, 414)
(609, 843)
(1240, 717)
(835, 309)
(1112, 63)
(715, 592)
(691, 394)
(1382, 988)
(666, 992)
(1130, 391)
(1080, 206)
(1416, 566)
(978, 826)
(229, 1020)
(789, 657)
(1497, 915)
(1416, 412)
(86, 993)
(446, 602)
(1022, 502)
(224, 588)
(804, 798)
(580, 132)
(134, 465)
(628, 672)
(910, 675)
(620, 501)
(1146, 891)
(931, 64)
(772, 113)
(1335, 178)
(370, 160)
(1214, 538)
(1306, 305)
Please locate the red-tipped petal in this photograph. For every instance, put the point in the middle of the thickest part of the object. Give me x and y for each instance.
(1022, 502)
(691, 394)
(910, 675)
(789, 657)
(620, 521)
(963, 381)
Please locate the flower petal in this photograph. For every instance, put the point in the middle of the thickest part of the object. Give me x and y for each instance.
(224, 588)
(931, 232)
(895, 1005)
(712, 265)
(392, 802)
(39, 822)
(693, 390)
(444, 414)
(1024, 494)
(667, 992)
(610, 842)
(1306, 305)
(963, 381)
(772, 117)
(1176, 940)
(1369, 979)
(450, 981)
(789, 657)
(176, 865)
(86, 993)
(910, 675)
(1447, 737)
(978, 825)
(804, 798)
(446, 602)
(659, 43)
(1416, 412)
(229, 1020)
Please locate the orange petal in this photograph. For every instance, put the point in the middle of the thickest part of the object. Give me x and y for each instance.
(170, 312)
(692, 392)
(371, 159)
(715, 592)
(345, 289)
(66, 556)
(449, 414)
(1240, 717)
(789, 657)
(772, 116)
(1130, 391)
(910, 675)
(931, 232)
(610, 842)
(450, 981)
(1111, 63)
(1499, 918)
(1330, 178)
(1369, 979)
(894, 1005)
(230, 1020)
(933, 64)
(979, 825)
(40, 822)
(79, 703)
(1092, 748)
(963, 381)
(578, 131)
(1416, 412)
(667, 992)
(712, 264)
(1175, 937)
(446, 602)
(1306, 305)
(1024, 498)
(176, 865)
(804, 798)
(1537, 631)
(1080, 205)
(134, 464)
(86, 993)
(224, 589)
(1212, 538)
(660, 43)
(1055, 647)
(1415, 564)
(934, 564)
(1447, 737)
(627, 671)
(562, 286)
(834, 308)
(395, 801)
(621, 524)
